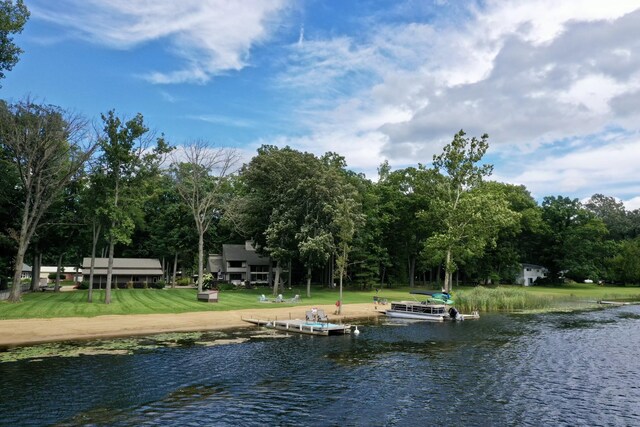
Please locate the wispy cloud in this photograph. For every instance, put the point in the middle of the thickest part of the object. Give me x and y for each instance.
(223, 120)
(209, 36)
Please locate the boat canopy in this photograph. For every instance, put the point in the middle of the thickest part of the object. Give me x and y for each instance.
(437, 294)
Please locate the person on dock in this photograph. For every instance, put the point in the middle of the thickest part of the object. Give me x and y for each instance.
(314, 313)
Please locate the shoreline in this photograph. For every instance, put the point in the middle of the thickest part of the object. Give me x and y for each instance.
(22, 332)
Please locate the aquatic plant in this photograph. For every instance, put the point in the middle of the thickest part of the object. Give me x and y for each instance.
(504, 299)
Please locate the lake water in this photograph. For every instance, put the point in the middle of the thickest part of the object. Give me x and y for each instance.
(504, 370)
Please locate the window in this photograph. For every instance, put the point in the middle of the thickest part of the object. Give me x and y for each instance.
(235, 264)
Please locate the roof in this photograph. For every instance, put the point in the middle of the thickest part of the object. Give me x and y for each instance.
(240, 253)
(539, 267)
(25, 267)
(125, 266)
(54, 269)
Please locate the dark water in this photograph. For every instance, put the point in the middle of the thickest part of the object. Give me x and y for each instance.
(579, 369)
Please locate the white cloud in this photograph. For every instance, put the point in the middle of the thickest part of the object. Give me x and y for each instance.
(544, 78)
(210, 36)
(632, 204)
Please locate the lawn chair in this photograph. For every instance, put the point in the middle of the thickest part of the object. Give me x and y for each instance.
(296, 298)
(263, 298)
(322, 316)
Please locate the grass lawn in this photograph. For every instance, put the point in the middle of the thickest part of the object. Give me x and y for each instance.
(153, 301)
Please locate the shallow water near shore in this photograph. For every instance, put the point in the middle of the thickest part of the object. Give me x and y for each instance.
(553, 368)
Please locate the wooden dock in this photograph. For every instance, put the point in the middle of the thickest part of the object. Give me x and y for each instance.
(303, 326)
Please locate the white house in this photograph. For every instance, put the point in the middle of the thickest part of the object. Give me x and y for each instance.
(529, 273)
(68, 273)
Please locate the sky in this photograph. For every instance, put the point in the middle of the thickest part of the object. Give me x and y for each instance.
(554, 83)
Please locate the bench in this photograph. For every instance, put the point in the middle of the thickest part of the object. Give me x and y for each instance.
(208, 296)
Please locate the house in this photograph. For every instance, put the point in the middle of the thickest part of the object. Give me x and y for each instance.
(26, 272)
(68, 273)
(138, 271)
(529, 273)
(240, 263)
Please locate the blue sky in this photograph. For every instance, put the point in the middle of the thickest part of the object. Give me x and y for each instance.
(555, 84)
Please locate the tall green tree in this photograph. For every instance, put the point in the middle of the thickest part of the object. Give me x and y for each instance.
(574, 243)
(130, 155)
(199, 181)
(13, 16)
(469, 217)
(47, 146)
(515, 243)
(347, 219)
(613, 214)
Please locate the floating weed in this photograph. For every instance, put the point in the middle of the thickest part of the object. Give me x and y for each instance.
(222, 342)
(632, 316)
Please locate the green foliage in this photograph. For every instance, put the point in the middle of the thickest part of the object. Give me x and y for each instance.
(573, 241)
(183, 281)
(160, 284)
(13, 17)
(501, 299)
(470, 216)
(625, 265)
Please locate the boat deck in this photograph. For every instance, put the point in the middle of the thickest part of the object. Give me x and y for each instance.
(302, 326)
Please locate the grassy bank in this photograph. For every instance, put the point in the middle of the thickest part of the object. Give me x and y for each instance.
(152, 301)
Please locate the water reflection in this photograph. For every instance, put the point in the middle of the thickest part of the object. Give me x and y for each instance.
(567, 369)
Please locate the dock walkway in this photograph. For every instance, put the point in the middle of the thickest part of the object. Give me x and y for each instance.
(302, 326)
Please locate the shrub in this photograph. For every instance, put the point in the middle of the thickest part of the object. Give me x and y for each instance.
(129, 285)
(52, 276)
(160, 284)
(224, 286)
(82, 285)
(184, 281)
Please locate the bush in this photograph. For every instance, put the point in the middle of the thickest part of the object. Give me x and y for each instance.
(129, 285)
(82, 285)
(184, 281)
(160, 284)
(224, 286)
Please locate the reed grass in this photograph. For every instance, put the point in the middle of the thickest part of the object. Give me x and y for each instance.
(505, 299)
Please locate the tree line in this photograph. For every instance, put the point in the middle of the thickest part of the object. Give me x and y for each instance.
(68, 190)
(123, 191)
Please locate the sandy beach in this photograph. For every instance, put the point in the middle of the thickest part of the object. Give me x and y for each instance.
(33, 331)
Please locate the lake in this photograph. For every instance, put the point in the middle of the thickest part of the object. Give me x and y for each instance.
(505, 370)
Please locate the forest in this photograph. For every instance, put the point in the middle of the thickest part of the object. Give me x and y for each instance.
(71, 188)
(68, 192)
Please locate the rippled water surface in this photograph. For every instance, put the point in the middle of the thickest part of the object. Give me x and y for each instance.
(505, 370)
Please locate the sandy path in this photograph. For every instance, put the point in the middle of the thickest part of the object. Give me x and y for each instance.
(32, 331)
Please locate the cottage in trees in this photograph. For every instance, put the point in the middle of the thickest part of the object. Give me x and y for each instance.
(240, 263)
(529, 273)
(125, 270)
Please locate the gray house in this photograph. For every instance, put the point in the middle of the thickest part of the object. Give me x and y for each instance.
(240, 263)
(125, 270)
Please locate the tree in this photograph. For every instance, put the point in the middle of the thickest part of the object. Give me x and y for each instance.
(46, 146)
(573, 242)
(199, 181)
(13, 16)
(469, 217)
(403, 194)
(347, 219)
(613, 214)
(126, 163)
(515, 243)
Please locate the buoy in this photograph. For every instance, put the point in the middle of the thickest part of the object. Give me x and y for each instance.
(356, 331)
